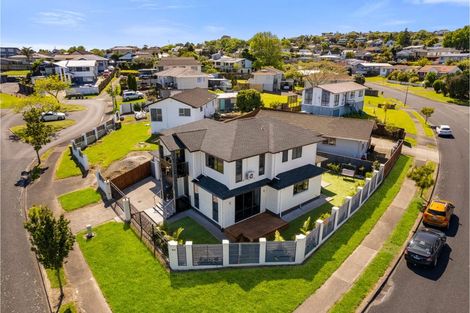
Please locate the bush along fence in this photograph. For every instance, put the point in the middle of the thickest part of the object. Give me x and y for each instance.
(264, 253)
(86, 139)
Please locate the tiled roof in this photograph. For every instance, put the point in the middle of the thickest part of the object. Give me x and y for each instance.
(342, 87)
(196, 97)
(181, 72)
(178, 61)
(438, 68)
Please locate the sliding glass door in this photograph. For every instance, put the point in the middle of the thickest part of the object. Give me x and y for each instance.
(247, 204)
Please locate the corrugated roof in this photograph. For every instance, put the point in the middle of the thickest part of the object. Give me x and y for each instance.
(178, 61)
(342, 87)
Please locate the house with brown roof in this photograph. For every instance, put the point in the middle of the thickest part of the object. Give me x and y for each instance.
(182, 108)
(333, 99)
(182, 78)
(440, 70)
(233, 171)
(180, 62)
(266, 79)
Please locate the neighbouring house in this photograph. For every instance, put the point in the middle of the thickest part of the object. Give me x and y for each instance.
(123, 49)
(20, 58)
(182, 78)
(101, 62)
(182, 108)
(443, 58)
(77, 72)
(226, 101)
(6, 52)
(126, 57)
(435, 52)
(231, 65)
(231, 171)
(373, 69)
(266, 79)
(220, 83)
(414, 53)
(349, 137)
(440, 70)
(182, 62)
(335, 99)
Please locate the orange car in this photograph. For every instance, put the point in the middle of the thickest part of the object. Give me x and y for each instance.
(438, 213)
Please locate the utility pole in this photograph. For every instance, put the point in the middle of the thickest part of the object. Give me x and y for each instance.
(406, 95)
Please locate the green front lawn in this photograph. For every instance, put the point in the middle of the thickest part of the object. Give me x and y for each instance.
(133, 281)
(17, 73)
(192, 231)
(71, 107)
(427, 129)
(376, 269)
(7, 101)
(79, 198)
(269, 98)
(52, 276)
(340, 187)
(56, 126)
(66, 166)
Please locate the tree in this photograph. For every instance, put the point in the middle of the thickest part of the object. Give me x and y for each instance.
(438, 85)
(422, 62)
(458, 85)
(422, 176)
(113, 91)
(278, 236)
(51, 238)
(404, 38)
(359, 78)
(37, 133)
(249, 100)
(131, 82)
(386, 107)
(96, 51)
(431, 77)
(266, 48)
(51, 85)
(458, 39)
(27, 52)
(307, 226)
(427, 112)
(350, 55)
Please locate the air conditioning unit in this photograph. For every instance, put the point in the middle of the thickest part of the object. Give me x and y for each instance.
(250, 175)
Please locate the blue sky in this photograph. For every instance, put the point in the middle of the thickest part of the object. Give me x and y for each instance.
(103, 23)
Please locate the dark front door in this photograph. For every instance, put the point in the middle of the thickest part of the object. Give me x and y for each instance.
(247, 204)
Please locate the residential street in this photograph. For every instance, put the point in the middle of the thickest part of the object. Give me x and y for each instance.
(446, 288)
(22, 289)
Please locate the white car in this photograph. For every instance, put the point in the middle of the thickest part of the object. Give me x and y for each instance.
(52, 116)
(132, 95)
(443, 130)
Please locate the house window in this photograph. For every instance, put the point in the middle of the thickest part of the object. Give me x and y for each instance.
(196, 196)
(285, 156)
(238, 170)
(215, 208)
(351, 95)
(325, 98)
(329, 141)
(185, 112)
(215, 163)
(156, 115)
(262, 160)
(301, 187)
(296, 153)
(361, 93)
(336, 100)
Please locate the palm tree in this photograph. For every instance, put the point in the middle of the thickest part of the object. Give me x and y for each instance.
(27, 52)
(385, 107)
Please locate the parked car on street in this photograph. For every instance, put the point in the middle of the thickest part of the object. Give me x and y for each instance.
(52, 116)
(438, 213)
(443, 130)
(425, 247)
(128, 95)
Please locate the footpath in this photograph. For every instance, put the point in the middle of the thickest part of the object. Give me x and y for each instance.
(345, 276)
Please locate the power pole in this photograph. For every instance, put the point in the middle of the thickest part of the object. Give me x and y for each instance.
(406, 94)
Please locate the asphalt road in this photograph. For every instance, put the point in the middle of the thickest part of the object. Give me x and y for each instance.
(21, 285)
(446, 288)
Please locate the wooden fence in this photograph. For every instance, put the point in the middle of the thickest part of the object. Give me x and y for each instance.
(131, 177)
(396, 152)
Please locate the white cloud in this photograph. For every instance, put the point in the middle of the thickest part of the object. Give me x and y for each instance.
(60, 18)
(159, 5)
(213, 28)
(396, 22)
(459, 2)
(370, 7)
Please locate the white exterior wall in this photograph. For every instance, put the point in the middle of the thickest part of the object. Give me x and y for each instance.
(193, 67)
(191, 82)
(350, 148)
(210, 108)
(343, 97)
(170, 114)
(288, 200)
(309, 153)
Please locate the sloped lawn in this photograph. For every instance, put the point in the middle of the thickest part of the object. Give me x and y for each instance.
(79, 198)
(133, 281)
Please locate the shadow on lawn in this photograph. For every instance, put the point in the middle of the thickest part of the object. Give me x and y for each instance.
(317, 267)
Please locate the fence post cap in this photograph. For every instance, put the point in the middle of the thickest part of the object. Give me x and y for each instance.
(188, 243)
(262, 239)
(348, 197)
(319, 221)
(360, 188)
(172, 243)
(335, 208)
(382, 165)
(225, 242)
(299, 237)
(368, 179)
(375, 171)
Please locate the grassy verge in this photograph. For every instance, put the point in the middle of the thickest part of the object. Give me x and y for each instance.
(71, 107)
(16, 73)
(427, 130)
(376, 269)
(56, 126)
(409, 141)
(192, 231)
(151, 288)
(79, 198)
(52, 276)
(68, 308)
(395, 117)
(66, 166)
(7, 101)
(47, 154)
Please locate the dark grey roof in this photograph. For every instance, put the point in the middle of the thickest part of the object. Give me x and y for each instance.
(239, 138)
(328, 126)
(196, 97)
(296, 175)
(178, 61)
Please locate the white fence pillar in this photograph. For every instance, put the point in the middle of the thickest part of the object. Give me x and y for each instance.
(300, 243)
(173, 254)
(368, 183)
(156, 164)
(319, 224)
(127, 209)
(225, 252)
(382, 172)
(375, 177)
(85, 165)
(85, 141)
(262, 250)
(96, 133)
(360, 190)
(349, 198)
(107, 191)
(335, 211)
(189, 254)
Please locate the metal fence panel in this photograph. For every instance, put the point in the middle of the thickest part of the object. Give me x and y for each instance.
(328, 225)
(207, 255)
(181, 255)
(343, 212)
(90, 139)
(312, 240)
(280, 251)
(365, 192)
(355, 202)
(243, 253)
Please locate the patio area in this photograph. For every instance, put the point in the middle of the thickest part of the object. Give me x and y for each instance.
(253, 228)
(143, 194)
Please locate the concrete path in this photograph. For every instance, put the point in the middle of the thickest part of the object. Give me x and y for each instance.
(94, 215)
(304, 209)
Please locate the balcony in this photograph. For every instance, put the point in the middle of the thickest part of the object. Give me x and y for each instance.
(182, 169)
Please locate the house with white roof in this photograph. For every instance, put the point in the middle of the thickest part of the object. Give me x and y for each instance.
(443, 58)
(266, 79)
(182, 78)
(334, 99)
(231, 65)
(77, 72)
(372, 69)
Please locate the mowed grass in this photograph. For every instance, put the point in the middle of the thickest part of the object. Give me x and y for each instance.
(427, 129)
(56, 126)
(192, 231)
(340, 187)
(7, 101)
(269, 99)
(17, 73)
(376, 269)
(78, 199)
(67, 167)
(133, 281)
(52, 276)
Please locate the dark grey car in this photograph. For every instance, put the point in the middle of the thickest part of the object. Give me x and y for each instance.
(425, 247)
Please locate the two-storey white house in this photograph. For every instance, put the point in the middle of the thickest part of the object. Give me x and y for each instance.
(77, 71)
(182, 108)
(182, 78)
(230, 171)
(230, 65)
(266, 79)
(336, 99)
